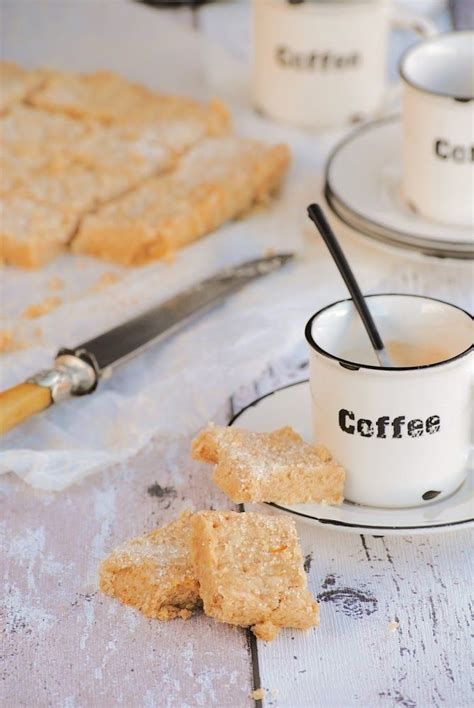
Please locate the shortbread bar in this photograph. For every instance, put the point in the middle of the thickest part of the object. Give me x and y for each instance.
(216, 181)
(154, 573)
(250, 571)
(274, 467)
(31, 234)
(102, 95)
(73, 187)
(16, 84)
(134, 156)
(16, 171)
(109, 98)
(28, 132)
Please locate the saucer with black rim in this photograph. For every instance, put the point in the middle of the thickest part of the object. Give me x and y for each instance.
(291, 406)
(362, 188)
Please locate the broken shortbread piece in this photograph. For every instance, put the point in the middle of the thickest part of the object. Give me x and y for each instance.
(216, 181)
(154, 573)
(250, 571)
(31, 234)
(16, 84)
(269, 467)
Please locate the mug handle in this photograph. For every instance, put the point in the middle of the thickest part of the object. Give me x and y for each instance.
(403, 19)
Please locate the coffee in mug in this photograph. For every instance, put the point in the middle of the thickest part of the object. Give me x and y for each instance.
(403, 433)
(322, 63)
(438, 128)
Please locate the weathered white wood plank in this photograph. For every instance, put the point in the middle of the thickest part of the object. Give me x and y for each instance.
(354, 659)
(63, 643)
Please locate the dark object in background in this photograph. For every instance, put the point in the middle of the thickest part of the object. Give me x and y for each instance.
(173, 3)
(462, 14)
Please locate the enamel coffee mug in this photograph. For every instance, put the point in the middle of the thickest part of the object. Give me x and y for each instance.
(403, 433)
(322, 63)
(438, 128)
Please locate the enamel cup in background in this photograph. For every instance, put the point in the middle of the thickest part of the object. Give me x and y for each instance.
(403, 434)
(323, 63)
(438, 128)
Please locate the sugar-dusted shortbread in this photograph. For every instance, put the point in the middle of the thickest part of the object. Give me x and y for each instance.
(16, 171)
(154, 573)
(129, 153)
(74, 187)
(250, 571)
(31, 234)
(109, 98)
(218, 180)
(274, 467)
(101, 95)
(180, 122)
(33, 133)
(16, 84)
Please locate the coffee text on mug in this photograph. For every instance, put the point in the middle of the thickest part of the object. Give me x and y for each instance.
(315, 60)
(384, 427)
(458, 153)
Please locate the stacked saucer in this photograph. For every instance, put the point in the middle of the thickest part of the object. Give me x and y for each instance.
(362, 187)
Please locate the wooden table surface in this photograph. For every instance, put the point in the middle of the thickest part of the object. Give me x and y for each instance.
(395, 612)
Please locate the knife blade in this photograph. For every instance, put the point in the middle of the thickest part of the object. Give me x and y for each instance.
(78, 371)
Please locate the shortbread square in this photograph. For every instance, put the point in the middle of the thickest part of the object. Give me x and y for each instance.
(274, 467)
(180, 122)
(216, 181)
(73, 187)
(17, 170)
(154, 572)
(119, 151)
(16, 84)
(111, 99)
(31, 234)
(30, 132)
(102, 96)
(250, 571)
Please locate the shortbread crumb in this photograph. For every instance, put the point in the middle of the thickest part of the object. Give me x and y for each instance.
(39, 309)
(274, 467)
(250, 571)
(56, 283)
(104, 281)
(393, 626)
(9, 343)
(258, 694)
(153, 573)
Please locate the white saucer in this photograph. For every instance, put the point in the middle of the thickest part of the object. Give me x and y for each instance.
(362, 188)
(291, 406)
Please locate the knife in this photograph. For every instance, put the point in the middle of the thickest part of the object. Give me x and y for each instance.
(78, 371)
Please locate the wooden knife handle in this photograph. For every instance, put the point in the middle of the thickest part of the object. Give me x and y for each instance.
(21, 402)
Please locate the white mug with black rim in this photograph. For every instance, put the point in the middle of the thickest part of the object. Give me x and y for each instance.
(438, 128)
(323, 63)
(402, 433)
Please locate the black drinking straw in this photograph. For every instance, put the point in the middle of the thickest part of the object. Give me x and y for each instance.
(316, 215)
